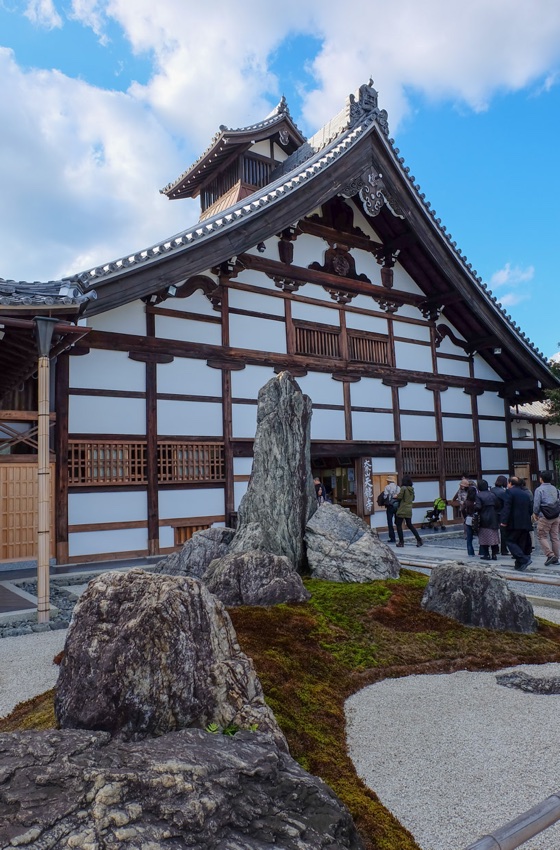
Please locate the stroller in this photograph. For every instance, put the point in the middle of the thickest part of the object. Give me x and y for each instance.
(434, 518)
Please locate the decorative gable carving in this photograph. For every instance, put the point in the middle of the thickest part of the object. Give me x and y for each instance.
(339, 261)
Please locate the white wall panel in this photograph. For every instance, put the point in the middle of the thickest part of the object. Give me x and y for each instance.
(418, 428)
(408, 330)
(366, 264)
(106, 415)
(191, 503)
(321, 388)
(244, 420)
(458, 430)
(409, 311)
(363, 322)
(417, 358)
(239, 490)
(416, 397)
(327, 425)
(371, 392)
(492, 432)
(425, 491)
(365, 302)
(107, 370)
(383, 464)
(483, 370)
(257, 334)
(259, 303)
(189, 418)
(312, 313)
(446, 346)
(255, 278)
(127, 506)
(248, 381)
(103, 542)
(457, 368)
(166, 536)
(454, 400)
(189, 377)
(129, 319)
(188, 330)
(494, 459)
(523, 444)
(195, 303)
(242, 465)
(262, 148)
(279, 154)
(309, 249)
(403, 281)
(372, 427)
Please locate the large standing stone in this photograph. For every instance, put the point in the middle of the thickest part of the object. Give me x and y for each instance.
(255, 578)
(197, 553)
(281, 496)
(342, 547)
(475, 595)
(149, 654)
(78, 789)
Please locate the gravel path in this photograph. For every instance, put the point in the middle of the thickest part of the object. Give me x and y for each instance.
(26, 667)
(456, 756)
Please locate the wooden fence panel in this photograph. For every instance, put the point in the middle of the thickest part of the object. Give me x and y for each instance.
(18, 511)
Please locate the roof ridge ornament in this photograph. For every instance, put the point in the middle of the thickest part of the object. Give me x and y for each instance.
(364, 106)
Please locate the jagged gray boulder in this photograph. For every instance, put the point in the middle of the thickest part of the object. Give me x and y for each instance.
(281, 495)
(476, 595)
(531, 684)
(79, 789)
(342, 547)
(255, 578)
(149, 654)
(197, 553)
(250, 537)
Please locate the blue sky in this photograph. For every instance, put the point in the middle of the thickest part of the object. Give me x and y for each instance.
(106, 101)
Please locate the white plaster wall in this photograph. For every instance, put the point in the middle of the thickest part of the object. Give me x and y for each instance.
(361, 222)
(166, 536)
(256, 278)
(425, 491)
(257, 334)
(262, 148)
(239, 490)
(128, 319)
(458, 430)
(457, 368)
(366, 264)
(410, 330)
(189, 377)
(105, 415)
(189, 504)
(259, 303)
(446, 346)
(416, 397)
(270, 252)
(242, 465)
(483, 370)
(309, 249)
(103, 542)
(372, 427)
(409, 311)
(451, 488)
(279, 154)
(366, 302)
(195, 303)
(188, 330)
(321, 388)
(189, 418)
(492, 431)
(327, 425)
(403, 281)
(417, 358)
(490, 404)
(312, 313)
(454, 400)
(383, 464)
(371, 392)
(107, 370)
(362, 322)
(494, 459)
(244, 420)
(418, 428)
(121, 506)
(523, 444)
(248, 381)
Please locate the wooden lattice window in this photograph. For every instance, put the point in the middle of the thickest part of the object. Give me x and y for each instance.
(321, 341)
(183, 533)
(367, 348)
(106, 463)
(460, 460)
(190, 462)
(424, 461)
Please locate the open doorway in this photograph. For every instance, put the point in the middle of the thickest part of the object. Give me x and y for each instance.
(338, 476)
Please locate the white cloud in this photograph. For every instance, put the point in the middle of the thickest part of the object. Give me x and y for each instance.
(511, 299)
(512, 276)
(42, 13)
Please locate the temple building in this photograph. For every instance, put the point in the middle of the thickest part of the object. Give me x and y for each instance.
(319, 256)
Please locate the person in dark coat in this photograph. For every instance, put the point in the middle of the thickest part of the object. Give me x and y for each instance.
(516, 518)
(487, 506)
(405, 499)
(468, 511)
(499, 490)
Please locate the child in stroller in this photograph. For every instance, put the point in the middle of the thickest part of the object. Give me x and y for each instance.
(435, 516)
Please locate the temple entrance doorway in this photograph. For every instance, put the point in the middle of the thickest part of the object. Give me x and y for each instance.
(338, 476)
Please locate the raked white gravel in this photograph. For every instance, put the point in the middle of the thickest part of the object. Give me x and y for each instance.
(26, 667)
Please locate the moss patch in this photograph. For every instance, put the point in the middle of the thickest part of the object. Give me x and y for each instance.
(311, 657)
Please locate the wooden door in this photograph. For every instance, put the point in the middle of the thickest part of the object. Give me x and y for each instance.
(18, 511)
(523, 470)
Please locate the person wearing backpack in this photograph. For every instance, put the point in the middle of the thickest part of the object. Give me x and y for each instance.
(388, 499)
(404, 511)
(546, 512)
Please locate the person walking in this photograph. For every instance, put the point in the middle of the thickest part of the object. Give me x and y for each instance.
(516, 518)
(468, 511)
(499, 490)
(488, 508)
(546, 513)
(404, 511)
(390, 494)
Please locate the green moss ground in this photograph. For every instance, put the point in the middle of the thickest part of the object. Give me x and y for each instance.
(311, 657)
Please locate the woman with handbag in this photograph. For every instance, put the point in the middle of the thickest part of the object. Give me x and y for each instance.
(488, 508)
(470, 517)
(405, 499)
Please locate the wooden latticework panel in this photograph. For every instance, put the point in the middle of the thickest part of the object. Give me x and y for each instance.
(460, 460)
(185, 532)
(323, 342)
(423, 461)
(366, 348)
(18, 510)
(106, 463)
(190, 462)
